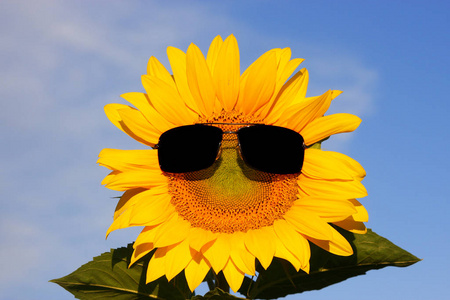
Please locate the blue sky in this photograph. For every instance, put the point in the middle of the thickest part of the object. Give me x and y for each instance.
(62, 61)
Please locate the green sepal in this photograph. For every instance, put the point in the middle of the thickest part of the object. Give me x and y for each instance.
(317, 145)
(371, 252)
(108, 277)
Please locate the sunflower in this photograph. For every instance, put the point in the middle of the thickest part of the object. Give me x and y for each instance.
(229, 215)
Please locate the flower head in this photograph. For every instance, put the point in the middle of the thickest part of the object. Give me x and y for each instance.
(229, 214)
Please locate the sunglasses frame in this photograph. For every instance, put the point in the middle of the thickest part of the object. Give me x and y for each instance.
(239, 142)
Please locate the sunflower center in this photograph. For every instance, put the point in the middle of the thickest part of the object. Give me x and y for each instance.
(230, 196)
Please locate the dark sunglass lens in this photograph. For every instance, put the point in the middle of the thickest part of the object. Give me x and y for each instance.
(188, 148)
(272, 149)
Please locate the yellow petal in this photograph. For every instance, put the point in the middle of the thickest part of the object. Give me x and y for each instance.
(330, 189)
(337, 244)
(147, 236)
(196, 271)
(218, 252)
(213, 52)
(285, 69)
(301, 114)
(233, 275)
(135, 121)
(174, 230)
(122, 160)
(282, 57)
(151, 209)
(308, 223)
(272, 52)
(156, 69)
(177, 60)
(145, 178)
(282, 252)
(143, 244)
(293, 241)
(142, 102)
(167, 101)
(113, 116)
(227, 73)
(156, 266)
(324, 127)
(199, 237)
(335, 93)
(362, 215)
(303, 73)
(295, 86)
(260, 243)
(286, 66)
(217, 106)
(112, 112)
(244, 260)
(177, 258)
(128, 200)
(122, 221)
(351, 225)
(258, 83)
(140, 251)
(300, 97)
(320, 164)
(200, 80)
(331, 210)
(355, 168)
(110, 177)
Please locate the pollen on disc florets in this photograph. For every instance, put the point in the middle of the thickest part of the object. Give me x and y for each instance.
(230, 196)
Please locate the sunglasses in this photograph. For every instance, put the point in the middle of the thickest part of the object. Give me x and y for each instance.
(266, 148)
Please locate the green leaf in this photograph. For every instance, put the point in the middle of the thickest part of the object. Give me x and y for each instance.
(108, 276)
(216, 294)
(371, 252)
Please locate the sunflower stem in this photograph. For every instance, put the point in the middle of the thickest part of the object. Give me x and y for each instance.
(222, 283)
(210, 280)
